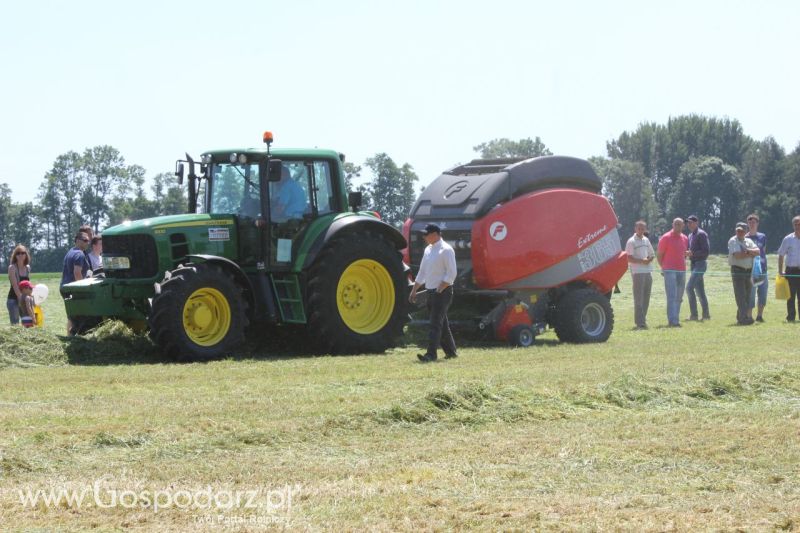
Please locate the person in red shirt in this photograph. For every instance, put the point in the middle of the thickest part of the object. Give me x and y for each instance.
(673, 248)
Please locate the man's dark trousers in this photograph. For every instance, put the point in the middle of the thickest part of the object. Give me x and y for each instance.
(742, 285)
(440, 334)
(793, 277)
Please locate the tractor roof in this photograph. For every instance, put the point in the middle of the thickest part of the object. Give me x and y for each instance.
(287, 153)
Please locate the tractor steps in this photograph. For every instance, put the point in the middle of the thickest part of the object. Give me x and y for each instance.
(290, 298)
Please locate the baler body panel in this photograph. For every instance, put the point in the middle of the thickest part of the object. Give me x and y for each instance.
(546, 239)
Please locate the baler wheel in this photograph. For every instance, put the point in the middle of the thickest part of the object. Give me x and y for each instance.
(521, 335)
(199, 314)
(357, 294)
(584, 315)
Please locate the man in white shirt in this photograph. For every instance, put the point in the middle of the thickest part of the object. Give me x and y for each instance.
(741, 252)
(437, 272)
(640, 256)
(789, 255)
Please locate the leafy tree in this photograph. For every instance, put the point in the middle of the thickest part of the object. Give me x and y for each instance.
(59, 198)
(392, 188)
(663, 148)
(105, 174)
(764, 188)
(170, 197)
(5, 219)
(628, 189)
(503, 147)
(710, 189)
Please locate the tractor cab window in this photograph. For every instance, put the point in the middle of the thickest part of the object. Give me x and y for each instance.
(202, 189)
(235, 190)
(324, 188)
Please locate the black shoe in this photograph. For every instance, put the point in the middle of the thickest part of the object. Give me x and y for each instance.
(426, 358)
(759, 319)
(706, 317)
(692, 318)
(451, 356)
(746, 321)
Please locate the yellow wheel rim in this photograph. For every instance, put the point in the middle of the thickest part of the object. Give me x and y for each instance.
(206, 316)
(365, 296)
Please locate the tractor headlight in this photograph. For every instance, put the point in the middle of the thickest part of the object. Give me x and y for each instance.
(116, 262)
(205, 159)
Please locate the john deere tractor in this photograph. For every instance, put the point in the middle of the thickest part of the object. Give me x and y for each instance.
(271, 237)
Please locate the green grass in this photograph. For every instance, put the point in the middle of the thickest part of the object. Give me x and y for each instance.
(691, 428)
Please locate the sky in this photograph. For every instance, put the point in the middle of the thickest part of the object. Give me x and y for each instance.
(424, 81)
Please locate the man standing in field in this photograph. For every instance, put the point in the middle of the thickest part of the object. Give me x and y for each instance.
(698, 260)
(672, 252)
(790, 253)
(741, 252)
(763, 287)
(640, 256)
(76, 266)
(437, 272)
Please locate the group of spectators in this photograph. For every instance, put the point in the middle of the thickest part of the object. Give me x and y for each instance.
(747, 257)
(86, 256)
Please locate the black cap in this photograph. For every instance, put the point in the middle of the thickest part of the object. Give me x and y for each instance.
(431, 228)
(741, 226)
(692, 218)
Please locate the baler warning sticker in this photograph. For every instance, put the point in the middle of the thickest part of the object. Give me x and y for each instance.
(219, 234)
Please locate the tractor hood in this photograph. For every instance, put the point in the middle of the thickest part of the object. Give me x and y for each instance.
(158, 225)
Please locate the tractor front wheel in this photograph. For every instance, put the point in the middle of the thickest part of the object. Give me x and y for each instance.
(199, 314)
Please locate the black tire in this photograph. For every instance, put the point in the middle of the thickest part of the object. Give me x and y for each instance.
(584, 315)
(176, 332)
(338, 333)
(521, 335)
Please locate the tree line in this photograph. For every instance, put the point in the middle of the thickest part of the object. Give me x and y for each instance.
(691, 165)
(95, 187)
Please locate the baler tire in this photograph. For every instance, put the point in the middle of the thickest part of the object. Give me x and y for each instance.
(583, 316)
(190, 289)
(521, 336)
(349, 270)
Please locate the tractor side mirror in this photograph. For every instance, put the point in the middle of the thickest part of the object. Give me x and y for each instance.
(271, 170)
(179, 173)
(354, 200)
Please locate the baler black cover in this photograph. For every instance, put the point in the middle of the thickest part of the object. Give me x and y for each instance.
(470, 191)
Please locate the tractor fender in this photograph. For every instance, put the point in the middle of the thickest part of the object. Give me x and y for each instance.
(354, 223)
(238, 274)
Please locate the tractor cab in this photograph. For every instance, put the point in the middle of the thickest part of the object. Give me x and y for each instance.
(274, 198)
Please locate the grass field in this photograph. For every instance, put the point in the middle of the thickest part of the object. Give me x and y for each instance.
(696, 428)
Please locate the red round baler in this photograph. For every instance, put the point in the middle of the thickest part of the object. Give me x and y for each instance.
(536, 246)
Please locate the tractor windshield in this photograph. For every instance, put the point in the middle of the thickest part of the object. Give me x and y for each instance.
(234, 189)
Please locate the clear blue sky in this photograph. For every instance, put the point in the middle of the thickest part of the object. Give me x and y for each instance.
(424, 81)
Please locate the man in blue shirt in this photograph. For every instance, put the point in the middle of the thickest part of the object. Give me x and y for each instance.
(698, 256)
(761, 289)
(287, 199)
(75, 267)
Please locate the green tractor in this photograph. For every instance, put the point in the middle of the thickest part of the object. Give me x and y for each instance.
(271, 237)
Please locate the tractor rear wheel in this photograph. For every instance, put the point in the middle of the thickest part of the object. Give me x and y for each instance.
(584, 315)
(356, 294)
(199, 314)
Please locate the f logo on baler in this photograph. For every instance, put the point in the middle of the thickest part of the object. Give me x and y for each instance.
(457, 187)
(498, 231)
